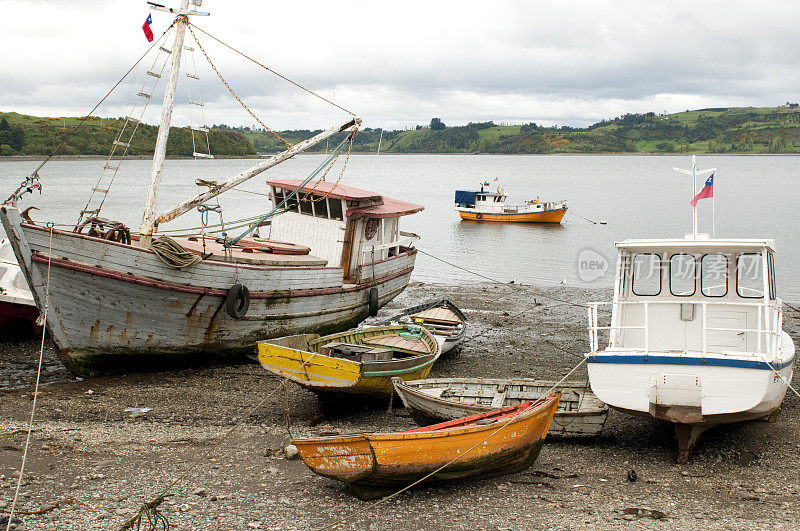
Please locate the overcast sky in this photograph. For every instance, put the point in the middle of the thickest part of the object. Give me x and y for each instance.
(397, 64)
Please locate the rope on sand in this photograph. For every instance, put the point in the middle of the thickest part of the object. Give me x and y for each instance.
(149, 510)
(359, 512)
(41, 321)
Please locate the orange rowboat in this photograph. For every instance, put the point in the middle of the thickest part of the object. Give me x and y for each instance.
(373, 465)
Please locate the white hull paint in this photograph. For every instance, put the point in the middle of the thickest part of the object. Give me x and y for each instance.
(112, 304)
(700, 395)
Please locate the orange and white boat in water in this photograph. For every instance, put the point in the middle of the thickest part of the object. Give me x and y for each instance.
(489, 204)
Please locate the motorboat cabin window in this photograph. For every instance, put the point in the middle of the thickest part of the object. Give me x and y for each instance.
(714, 275)
(750, 276)
(682, 275)
(646, 274)
(771, 273)
(335, 208)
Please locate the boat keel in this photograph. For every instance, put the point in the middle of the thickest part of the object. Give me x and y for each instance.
(687, 435)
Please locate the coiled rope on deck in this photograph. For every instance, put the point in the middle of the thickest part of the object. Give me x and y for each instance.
(173, 254)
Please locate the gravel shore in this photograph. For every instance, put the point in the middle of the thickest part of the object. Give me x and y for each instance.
(92, 464)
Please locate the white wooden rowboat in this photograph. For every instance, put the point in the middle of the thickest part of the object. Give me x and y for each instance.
(580, 413)
(442, 318)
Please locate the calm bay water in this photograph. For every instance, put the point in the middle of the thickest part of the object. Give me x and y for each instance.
(638, 197)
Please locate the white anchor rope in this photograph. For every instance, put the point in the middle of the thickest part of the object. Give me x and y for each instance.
(43, 324)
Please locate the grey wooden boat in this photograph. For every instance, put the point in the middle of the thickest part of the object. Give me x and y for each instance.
(580, 413)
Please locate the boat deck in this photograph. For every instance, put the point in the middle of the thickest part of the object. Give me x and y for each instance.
(268, 252)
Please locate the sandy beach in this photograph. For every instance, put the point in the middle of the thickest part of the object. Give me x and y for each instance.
(92, 464)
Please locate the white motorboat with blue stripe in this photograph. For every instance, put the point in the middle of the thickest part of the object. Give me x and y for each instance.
(695, 334)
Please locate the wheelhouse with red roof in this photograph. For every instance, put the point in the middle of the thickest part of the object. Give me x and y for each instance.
(351, 228)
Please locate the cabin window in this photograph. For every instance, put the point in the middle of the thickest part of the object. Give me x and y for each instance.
(682, 275)
(279, 196)
(714, 275)
(320, 206)
(306, 204)
(771, 273)
(335, 208)
(646, 274)
(750, 276)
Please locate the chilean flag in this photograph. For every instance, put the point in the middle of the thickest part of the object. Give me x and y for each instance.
(706, 192)
(146, 28)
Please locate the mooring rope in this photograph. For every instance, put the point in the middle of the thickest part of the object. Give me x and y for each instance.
(514, 284)
(150, 509)
(359, 512)
(172, 253)
(42, 321)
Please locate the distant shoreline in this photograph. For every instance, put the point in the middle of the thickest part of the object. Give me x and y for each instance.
(25, 158)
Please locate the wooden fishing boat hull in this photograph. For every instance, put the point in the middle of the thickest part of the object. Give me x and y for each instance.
(580, 413)
(116, 307)
(291, 357)
(374, 465)
(546, 216)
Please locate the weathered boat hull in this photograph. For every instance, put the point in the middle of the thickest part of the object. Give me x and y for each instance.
(116, 307)
(547, 216)
(374, 465)
(580, 413)
(329, 375)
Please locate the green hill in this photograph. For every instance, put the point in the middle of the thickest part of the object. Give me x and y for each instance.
(40, 135)
(715, 130)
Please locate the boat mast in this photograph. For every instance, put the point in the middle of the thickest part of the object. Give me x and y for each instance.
(694, 172)
(146, 229)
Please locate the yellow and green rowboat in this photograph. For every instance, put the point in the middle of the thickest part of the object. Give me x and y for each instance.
(361, 361)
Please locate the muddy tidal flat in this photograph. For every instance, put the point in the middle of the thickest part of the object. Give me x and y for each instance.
(91, 464)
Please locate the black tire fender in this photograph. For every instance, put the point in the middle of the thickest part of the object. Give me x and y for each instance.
(478, 215)
(237, 301)
(373, 301)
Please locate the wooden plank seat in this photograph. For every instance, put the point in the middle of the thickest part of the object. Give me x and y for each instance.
(400, 342)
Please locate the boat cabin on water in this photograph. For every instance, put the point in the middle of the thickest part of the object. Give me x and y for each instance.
(486, 205)
(346, 226)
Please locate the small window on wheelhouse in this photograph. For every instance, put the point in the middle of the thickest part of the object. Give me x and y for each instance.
(682, 275)
(771, 273)
(320, 206)
(335, 208)
(305, 204)
(646, 274)
(279, 196)
(714, 275)
(750, 276)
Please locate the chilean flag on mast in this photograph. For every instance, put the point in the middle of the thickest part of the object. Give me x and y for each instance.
(706, 192)
(146, 28)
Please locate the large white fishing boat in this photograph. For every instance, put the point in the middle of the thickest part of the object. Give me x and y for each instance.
(695, 336)
(334, 254)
